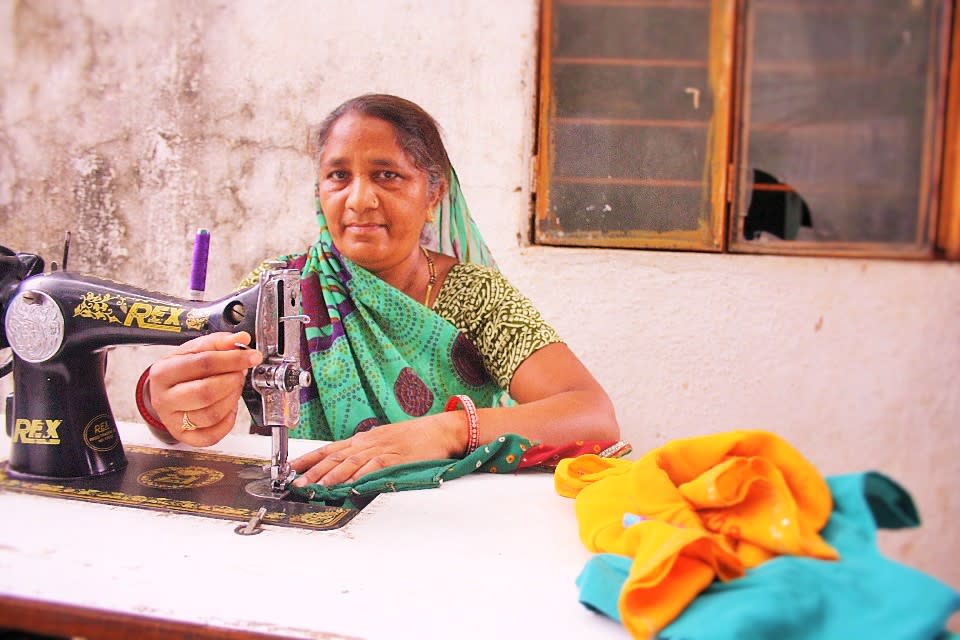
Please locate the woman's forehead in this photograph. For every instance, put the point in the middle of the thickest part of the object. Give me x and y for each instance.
(372, 138)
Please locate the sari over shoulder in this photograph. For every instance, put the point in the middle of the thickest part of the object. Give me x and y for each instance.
(378, 356)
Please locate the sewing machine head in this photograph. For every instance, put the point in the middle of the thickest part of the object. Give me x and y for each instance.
(59, 326)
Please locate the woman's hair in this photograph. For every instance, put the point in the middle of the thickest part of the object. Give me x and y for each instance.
(417, 133)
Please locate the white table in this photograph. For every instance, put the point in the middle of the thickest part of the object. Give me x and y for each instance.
(483, 556)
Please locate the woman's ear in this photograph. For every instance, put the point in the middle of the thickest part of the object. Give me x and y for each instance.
(435, 200)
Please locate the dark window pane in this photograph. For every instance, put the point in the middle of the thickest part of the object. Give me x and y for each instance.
(658, 153)
(621, 209)
(838, 120)
(632, 92)
(631, 109)
(630, 32)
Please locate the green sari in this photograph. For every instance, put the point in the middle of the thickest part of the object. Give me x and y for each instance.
(378, 356)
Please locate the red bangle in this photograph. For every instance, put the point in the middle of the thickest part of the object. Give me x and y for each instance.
(473, 422)
(158, 428)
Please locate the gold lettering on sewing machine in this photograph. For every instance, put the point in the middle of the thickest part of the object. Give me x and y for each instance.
(100, 434)
(36, 431)
(180, 477)
(146, 315)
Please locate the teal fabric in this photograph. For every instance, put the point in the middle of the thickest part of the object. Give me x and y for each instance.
(501, 455)
(863, 595)
(377, 356)
(601, 580)
(454, 232)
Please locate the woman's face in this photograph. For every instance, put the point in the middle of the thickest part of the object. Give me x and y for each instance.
(374, 197)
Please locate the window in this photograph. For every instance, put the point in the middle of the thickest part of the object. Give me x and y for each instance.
(759, 126)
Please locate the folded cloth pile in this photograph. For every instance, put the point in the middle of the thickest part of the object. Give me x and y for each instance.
(667, 526)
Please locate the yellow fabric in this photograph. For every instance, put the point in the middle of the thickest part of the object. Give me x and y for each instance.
(712, 507)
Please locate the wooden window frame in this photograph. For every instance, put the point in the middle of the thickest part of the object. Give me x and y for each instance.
(939, 218)
(948, 231)
(710, 236)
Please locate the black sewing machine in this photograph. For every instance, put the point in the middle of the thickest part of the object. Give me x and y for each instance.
(59, 327)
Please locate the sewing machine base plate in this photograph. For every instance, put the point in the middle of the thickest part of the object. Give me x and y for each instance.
(193, 482)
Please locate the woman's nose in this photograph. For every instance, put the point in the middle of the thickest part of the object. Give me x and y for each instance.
(361, 195)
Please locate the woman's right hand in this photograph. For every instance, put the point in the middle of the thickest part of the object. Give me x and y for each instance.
(203, 378)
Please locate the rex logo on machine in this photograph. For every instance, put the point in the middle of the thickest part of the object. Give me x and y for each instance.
(145, 315)
(36, 431)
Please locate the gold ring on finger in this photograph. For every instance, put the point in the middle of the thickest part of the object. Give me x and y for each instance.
(188, 424)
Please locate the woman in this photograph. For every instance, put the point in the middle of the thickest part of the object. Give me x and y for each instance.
(396, 329)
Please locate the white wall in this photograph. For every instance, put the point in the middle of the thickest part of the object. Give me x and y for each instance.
(131, 124)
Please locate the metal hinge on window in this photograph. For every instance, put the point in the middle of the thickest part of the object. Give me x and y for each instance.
(534, 172)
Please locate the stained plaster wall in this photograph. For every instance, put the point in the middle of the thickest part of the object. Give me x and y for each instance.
(131, 124)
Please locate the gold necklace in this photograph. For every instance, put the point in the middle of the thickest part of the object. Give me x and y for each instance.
(433, 276)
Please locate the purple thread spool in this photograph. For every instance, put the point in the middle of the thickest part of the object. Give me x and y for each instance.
(198, 272)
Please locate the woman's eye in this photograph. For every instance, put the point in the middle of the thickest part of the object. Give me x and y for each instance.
(388, 175)
(337, 175)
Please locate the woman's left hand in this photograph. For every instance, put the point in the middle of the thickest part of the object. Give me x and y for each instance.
(435, 437)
